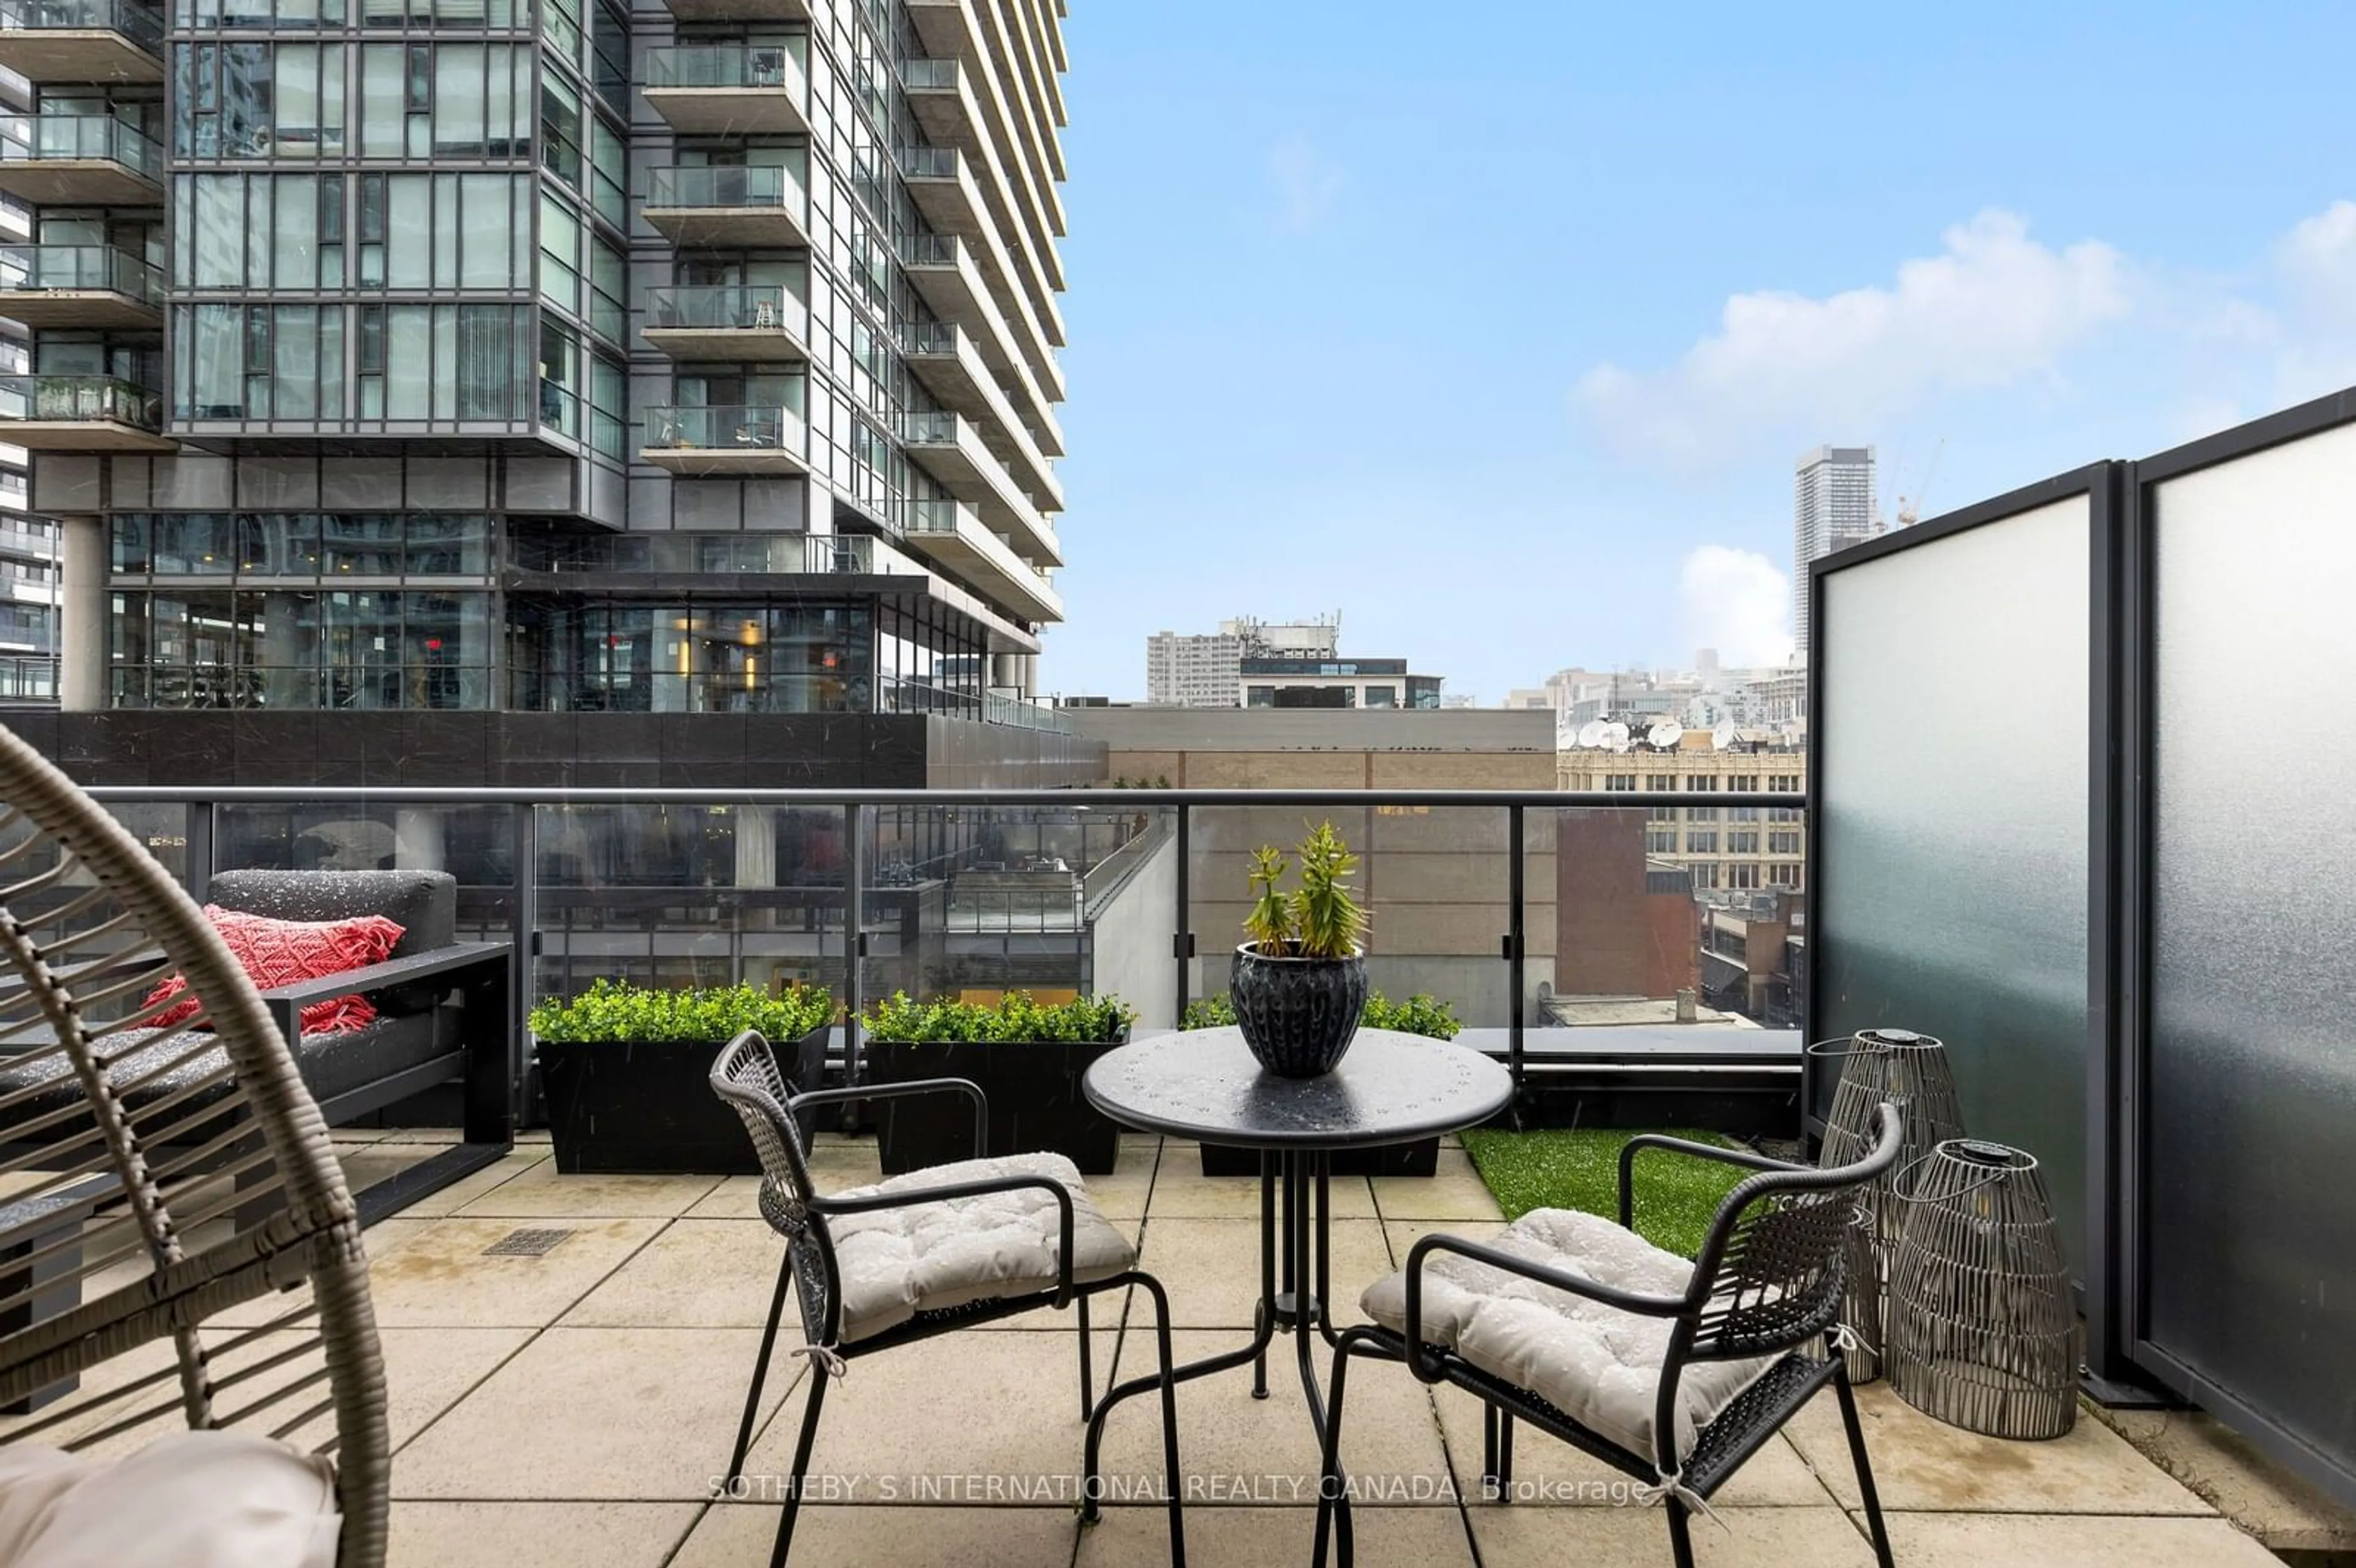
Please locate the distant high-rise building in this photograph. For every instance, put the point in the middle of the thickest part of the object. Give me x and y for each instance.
(1831, 507)
(1207, 671)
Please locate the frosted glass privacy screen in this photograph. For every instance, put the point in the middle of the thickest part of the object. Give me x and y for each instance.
(1951, 892)
(2251, 1104)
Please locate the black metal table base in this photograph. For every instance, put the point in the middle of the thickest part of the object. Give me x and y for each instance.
(1295, 1280)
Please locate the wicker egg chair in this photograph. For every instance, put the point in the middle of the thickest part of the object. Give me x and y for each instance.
(177, 1246)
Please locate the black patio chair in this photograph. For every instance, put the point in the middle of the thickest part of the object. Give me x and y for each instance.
(1068, 1253)
(1749, 1335)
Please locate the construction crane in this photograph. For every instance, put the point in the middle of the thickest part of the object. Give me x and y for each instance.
(1909, 508)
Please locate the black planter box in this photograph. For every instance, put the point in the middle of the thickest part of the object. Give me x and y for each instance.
(1036, 1104)
(646, 1108)
(1420, 1157)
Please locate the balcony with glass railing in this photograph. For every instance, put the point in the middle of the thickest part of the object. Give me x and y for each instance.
(733, 438)
(952, 283)
(81, 413)
(728, 89)
(741, 10)
(728, 204)
(96, 286)
(951, 534)
(949, 448)
(765, 323)
(79, 160)
(79, 41)
(946, 359)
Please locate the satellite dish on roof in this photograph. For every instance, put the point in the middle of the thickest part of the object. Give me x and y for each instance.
(1664, 736)
(1722, 737)
(1614, 737)
(1591, 734)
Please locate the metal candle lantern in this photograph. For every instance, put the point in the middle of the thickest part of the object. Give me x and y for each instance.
(1910, 1070)
(1982, 1332)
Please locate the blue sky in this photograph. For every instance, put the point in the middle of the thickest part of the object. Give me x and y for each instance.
(1498, 328)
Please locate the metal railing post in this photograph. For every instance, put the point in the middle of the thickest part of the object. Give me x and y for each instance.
(1182, 939)
(203, 824)
(854, 935)
(1515, 965)
(523, 937)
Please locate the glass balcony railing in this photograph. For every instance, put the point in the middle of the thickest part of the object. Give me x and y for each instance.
(929, 163)
(932, 515)
(929, 337)
(83, 399)
(733, 426)
(80, 267)
(929, 75)
(931, 249)
(41, 138)
(735, 186)
(709, 554)
(933, 428)
(724, 66)
(142, 25)
(726, 308)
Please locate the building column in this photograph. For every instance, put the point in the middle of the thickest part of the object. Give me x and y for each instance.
(419, 839)
(81, 614)
(756, 846)
(1017, 673)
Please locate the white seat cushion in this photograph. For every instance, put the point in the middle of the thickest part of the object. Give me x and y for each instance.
(896, 1263)
(194, 1500)
(1597, 1364)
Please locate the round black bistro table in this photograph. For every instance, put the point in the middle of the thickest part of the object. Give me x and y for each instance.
(1391, 1088)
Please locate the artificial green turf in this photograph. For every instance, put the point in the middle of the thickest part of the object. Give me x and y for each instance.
(1579, 1169)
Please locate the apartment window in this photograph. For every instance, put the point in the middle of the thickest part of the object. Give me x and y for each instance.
(560, 127)
(1701, 843)
(1705, 875)
(459, 99)
(610, 174)
(1661, 814)
(259, 362)
(1783, 843)
(1661, 841)
(1660, 781)
(264, 232)
(610, 42)
(1381, 696)
(1783, 874)
(1742, 783)
(1620, 781)
(445, 362)
(1785, 782)
(1784, 813)
(251, 101)
(1259, 696)
(1742, 814)
(1742, 843)
(444, 232)
(1743, 875)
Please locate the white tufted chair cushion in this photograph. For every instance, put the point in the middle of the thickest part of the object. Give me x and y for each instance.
(896, 1263)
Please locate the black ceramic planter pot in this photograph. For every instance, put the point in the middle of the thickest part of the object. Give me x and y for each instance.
(1298, 1015)
(1035, 1101)
(646, 1108)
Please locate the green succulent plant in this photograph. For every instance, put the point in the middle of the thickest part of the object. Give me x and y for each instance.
(617, 1012)
(1319, 919)
(1017, 1018)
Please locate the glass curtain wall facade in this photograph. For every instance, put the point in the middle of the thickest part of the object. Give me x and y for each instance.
(427, 304)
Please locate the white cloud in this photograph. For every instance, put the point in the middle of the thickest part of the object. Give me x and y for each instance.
(1737, 601)
(2317, 259)
(1307, 183)
(1993, 308)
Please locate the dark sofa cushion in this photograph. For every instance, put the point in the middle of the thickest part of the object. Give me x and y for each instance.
(426, 903)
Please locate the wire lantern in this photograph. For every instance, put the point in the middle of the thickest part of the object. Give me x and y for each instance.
(1982, 1331)
(1910, 1070)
